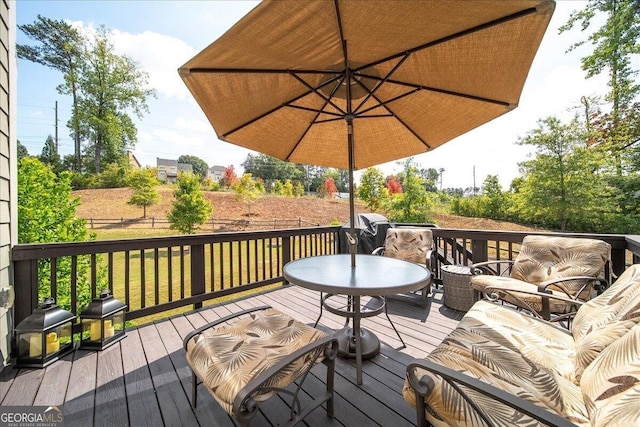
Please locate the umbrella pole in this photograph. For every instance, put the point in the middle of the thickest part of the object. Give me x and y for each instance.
(353, 242)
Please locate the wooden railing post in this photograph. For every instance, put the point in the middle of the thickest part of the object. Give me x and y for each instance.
(479, 250)
(25, 288)
(618, 260)
(197, 272)
(286, 251)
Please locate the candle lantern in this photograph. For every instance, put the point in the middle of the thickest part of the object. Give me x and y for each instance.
(45, 336)
(102, 322)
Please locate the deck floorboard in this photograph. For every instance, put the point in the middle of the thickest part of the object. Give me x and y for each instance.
(144, 380)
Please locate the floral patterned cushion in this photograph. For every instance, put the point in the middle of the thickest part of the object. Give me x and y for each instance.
(606, 318)
(611, 383)
(227, 357)
(409, 244)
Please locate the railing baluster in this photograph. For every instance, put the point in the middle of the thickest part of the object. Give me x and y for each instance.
(73, 284)
(110, 271)
(53, 277)
(170, 272)
(143, 292)
(221, 275)
(156, 275)
(182, 267)
(127, 277)
(94, 275)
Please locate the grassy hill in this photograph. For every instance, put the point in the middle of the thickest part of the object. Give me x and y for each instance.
(112, 204)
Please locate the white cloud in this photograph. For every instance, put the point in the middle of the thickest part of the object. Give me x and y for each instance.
(160, 56)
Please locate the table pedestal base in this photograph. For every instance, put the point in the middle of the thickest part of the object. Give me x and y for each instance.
(347, 343)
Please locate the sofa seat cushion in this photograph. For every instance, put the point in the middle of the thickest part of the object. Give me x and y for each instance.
(534, 302)
(227, 357)
(611, 383)
(510, 351)
(606, 318)
(541, 343)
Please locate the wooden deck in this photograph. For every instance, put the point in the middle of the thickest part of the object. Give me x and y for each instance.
(144, 380)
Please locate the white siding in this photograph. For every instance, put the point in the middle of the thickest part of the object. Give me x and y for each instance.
(8, 167)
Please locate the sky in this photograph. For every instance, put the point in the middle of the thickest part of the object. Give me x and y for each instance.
(160, 36)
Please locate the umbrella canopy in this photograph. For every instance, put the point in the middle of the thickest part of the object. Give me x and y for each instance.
(351, 83)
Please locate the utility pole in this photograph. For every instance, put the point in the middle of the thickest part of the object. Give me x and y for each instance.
(474, 180)
(441, 173)
(57, 152)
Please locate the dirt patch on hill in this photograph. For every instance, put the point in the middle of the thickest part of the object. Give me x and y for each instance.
(112, 204)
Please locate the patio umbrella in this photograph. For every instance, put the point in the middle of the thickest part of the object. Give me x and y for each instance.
(351, 84)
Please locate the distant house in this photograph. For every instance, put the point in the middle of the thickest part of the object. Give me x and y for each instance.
(215, 173)
(168, 169)
(133, 162)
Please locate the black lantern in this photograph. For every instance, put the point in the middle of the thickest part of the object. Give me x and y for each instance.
(45, 336)
(102, 322)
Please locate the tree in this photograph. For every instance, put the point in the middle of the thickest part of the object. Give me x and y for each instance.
(229, 177)
(200, 167)
(430, 177)
(372, 189)
(248, 190)
(563, 187)
(145, 194)
(60, 47)
(616, 43)
(393, 185)
(328, 188)
(110, 88)
(190, 208)
(22, 152)
(493, 202)
(50, 155)
(412, 205)
(47, 214)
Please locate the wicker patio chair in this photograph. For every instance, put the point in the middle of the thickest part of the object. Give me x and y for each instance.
(573, 268)
(411, 244)
(246, 358)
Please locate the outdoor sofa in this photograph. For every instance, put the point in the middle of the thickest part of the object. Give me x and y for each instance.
(504, 367)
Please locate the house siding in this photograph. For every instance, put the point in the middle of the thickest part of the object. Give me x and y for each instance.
(8, 171)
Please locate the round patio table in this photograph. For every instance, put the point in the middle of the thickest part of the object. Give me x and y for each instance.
(374, 276)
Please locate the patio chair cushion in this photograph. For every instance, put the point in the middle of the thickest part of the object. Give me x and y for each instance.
(409, 244)
(603, 320)
(482, 282)
(227, 357)
(544, 258)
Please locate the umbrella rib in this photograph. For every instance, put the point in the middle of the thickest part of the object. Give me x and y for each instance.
(315, 90)
(443, 91)
(287, 104)
(341, 31)
(391, 114)
(384, 103)
(380, 83)
(486, 25)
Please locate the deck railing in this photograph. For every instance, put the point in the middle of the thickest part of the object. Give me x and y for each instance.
(160, 274)
(154, 276)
